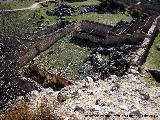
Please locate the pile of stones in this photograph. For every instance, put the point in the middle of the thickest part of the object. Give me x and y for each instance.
(117, 61)
(88, 8)
(61, 10)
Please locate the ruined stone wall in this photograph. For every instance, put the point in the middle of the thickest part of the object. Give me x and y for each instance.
(137, 37)
(147, 24)
(120, 27)
(139, 25)
(146, 44)
(86, 36)
(95, 28)
(133, 26)
(47, 40)
(114, 35)
(43, 43)
(112, 39)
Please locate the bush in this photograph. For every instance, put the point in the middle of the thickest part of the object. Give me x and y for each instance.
(38, 109)
(111, 6)
(135, 14)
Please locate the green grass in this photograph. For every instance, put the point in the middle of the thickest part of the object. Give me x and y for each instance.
(87, 2)
(65, 53)
(106, 18)
(153, 62)
(153, 59)
(16, 4)
(15, 24)
(48, 19)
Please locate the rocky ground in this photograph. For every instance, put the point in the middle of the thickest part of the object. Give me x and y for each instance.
(115, 98)
(128, 95)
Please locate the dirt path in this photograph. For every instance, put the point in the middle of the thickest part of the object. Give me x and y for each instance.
(32, 7)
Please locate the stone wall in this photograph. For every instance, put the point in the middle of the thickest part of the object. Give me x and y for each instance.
(42, 43)
(95, 28)
(146, 44)
(111, 39)
(133, 26)
(132, 32)
(138, 25)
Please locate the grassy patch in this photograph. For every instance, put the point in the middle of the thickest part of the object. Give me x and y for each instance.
(153, 62)
(24, 21)
(87, 2)
(153, 59)
(48, 19)
(106, 18)
(16, 24)
(16, 4)
(65, 55)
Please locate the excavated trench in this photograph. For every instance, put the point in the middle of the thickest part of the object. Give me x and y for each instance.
(46, 77)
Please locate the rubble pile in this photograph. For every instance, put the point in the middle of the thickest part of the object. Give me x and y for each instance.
(126, 97)
(61, 10)
(88, 8)
(67, 10)
(116, 61)
(122, 98)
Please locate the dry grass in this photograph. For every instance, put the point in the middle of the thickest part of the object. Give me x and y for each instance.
(39, 109)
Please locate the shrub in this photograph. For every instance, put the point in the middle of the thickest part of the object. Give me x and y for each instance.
(39, 108)
(135, 14)
(110, 5)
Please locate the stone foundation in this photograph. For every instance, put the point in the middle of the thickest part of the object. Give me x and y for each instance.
(142, 52)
